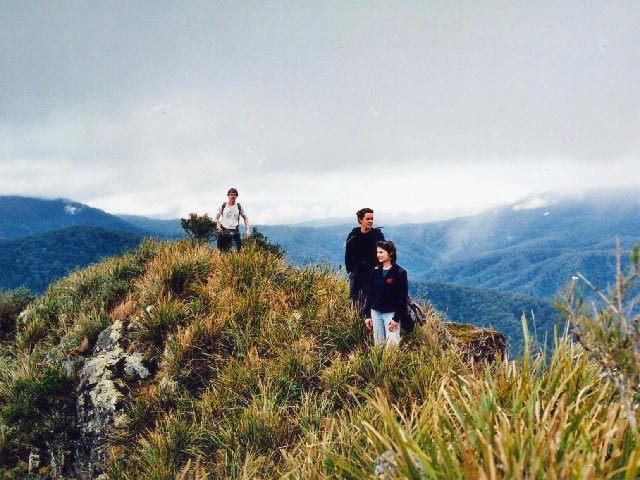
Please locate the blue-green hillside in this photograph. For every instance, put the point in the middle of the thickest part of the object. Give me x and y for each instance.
(26, 216)
(36, 261)
(485, 307)
(533, 248)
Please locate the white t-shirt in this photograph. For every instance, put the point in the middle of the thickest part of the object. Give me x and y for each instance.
(230, 217)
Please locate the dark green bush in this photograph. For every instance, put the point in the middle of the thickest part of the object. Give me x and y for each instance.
(199, 228)
(11, 304)
(40, 411)
(262, 242)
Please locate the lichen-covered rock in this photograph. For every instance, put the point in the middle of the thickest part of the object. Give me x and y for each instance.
(386, 467)
(34, 463)
(102, 382)
(477, 344)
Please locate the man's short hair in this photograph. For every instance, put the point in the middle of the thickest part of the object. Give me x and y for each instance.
(232, 190)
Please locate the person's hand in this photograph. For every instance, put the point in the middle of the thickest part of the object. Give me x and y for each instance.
(368, 323)
(219, 229)
(247, 234)
(393, 326)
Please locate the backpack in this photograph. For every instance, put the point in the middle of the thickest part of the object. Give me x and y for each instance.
(240, 212)
(413, 315)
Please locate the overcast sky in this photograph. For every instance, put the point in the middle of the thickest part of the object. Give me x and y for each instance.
(315, 109)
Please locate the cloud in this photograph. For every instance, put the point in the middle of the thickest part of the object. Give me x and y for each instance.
(70, 209)
(317, 109)
(533, 203)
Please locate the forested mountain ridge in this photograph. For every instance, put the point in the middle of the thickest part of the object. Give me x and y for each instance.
(36, 261)
(25, 216)
(487, 307)
(531, 248)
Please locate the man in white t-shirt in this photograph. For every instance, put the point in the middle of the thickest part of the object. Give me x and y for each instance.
(228, 222)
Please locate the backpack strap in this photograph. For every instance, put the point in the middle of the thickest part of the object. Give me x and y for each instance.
(224, 205)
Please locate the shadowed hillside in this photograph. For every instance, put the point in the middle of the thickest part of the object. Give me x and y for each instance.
(485, 307)
(34, 262)
(174, 361)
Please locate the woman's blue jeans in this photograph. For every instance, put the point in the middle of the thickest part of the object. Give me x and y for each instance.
(381, 334)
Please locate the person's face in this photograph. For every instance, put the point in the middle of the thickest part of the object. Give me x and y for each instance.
(382, 254)
(366, 222)
(232, 197)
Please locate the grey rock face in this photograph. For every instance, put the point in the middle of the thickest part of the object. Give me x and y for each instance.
(34, 463)
(386, 467)
(477, 344)
(102, 381)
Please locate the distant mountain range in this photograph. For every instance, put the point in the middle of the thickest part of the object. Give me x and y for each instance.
(485, 269)
(153, 226)
(25, 216)
(532, 248)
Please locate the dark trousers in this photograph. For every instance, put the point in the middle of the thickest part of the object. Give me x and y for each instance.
(227, 237)
(359, 287)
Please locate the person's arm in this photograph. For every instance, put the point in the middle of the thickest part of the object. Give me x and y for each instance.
(401, 299)
(247, 232)
(217, 220)
(348, 254)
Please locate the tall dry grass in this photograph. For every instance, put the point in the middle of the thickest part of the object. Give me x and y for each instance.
(264, 371)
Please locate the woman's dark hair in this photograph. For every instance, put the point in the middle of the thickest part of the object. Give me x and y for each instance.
(389, 247)
(362, 212)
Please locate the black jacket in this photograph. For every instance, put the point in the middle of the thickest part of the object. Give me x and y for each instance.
(388, 293)
(360, 249)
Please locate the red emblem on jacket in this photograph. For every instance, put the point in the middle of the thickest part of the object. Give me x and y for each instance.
(389, 281)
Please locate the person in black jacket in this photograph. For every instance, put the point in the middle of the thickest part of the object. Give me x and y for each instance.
(387, 298)
(360, 255)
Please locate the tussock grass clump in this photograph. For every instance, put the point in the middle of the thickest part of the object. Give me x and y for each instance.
(537, 419)
(259, 355)
(78, 306)
(263, 370)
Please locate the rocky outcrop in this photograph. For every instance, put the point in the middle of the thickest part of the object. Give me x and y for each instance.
(103, 379)
(477, 344)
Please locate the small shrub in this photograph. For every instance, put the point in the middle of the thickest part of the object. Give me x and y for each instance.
(8, 449)
(199, 228)
(41, 411)
(12, 303)
(609, 331)
(260, 241)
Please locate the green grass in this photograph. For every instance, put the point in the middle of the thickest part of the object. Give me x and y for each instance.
(263, 370)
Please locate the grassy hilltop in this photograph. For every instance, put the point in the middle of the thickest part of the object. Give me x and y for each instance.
(262, 370)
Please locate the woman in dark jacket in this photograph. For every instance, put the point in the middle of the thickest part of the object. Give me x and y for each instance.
(387, 299)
